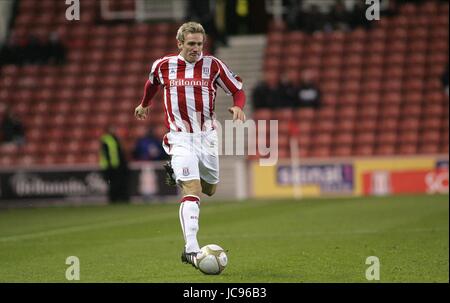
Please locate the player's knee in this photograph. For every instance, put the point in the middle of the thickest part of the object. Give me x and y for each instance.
(192, 187)
(209, 190)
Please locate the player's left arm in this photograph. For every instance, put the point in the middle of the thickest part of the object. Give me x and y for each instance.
(237, 110)
(232, 85)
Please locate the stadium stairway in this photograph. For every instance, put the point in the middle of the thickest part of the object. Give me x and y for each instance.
(244, 55)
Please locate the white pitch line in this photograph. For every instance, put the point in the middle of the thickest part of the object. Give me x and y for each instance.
(315, 233)
(72, 229)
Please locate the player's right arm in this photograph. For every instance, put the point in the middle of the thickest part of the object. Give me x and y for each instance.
(141, 111)
(150, 89)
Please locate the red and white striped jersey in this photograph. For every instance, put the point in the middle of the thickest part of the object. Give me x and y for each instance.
(190, 90)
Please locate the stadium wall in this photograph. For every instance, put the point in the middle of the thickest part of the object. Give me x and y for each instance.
(29, 186)
(351, 177)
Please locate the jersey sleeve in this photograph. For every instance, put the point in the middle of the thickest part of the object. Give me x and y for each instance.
(153, 77)
(228, 80)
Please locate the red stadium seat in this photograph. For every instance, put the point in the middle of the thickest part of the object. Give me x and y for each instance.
(410, 137)
(363, 150)
(365, 137)
(392, 98)
(368, 111)
(347, 112)
(411, 110)
(373, 73)
(323, 126)
(387, 123)
(385, 150)
(413, 98)
(304, 139)
(432, 123)
(342, 151)
(428, 149)
(320, 152)
(407, 149)
(387, 137)
(367, 125)
(262, 114)
(345, 139)
(322, 139)
(430, 137)
(392, 85)
(326, 113)
(304, 114)
(284, 114)
(371, 98)
(408, 10)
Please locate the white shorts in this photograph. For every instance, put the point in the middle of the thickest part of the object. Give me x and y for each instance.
(195, 156)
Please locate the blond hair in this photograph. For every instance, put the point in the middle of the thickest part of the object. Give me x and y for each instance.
(190, 28)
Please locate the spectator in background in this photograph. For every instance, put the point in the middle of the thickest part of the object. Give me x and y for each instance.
(312, 20)
(34, 52)
(267, 93)
(31, 50)
(357, 17)
(56, 52)
(308, 93)
(339, 17)
(289, 87)
(149, 148)
(204, 12)
(4, 54)
(114, 166)
(15, 50)
(13, 132)
(293, 11)
(444, 80)
(391, 10)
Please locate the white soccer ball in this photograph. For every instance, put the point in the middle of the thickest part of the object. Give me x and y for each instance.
(212, 259)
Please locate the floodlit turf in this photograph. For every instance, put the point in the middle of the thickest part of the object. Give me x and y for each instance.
(314, 240)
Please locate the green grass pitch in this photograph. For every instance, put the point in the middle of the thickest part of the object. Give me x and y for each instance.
(312, 240)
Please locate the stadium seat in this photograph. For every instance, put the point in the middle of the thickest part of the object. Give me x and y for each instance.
(367, 124)
(428, 149)
(320, 152)
(368, 111)
(344, 125)
(409, 123)
(385, 150)
(342, 151)
(407, 149)
(387, 123)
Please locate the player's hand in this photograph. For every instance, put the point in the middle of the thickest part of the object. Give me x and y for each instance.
(141, 112)
(238, 113)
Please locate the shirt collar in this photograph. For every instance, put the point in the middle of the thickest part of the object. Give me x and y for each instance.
(182, 58)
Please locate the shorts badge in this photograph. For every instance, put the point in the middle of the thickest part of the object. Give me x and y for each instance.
(185, 171)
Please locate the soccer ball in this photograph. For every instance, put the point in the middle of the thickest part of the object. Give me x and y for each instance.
(212, 259)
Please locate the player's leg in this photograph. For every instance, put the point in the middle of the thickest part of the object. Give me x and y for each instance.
(185, 167)
(209, 164)
(189, 218)
(207, 188)
(189, 213)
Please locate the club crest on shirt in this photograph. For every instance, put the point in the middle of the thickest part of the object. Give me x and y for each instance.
(185, 171)
(205, 71)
